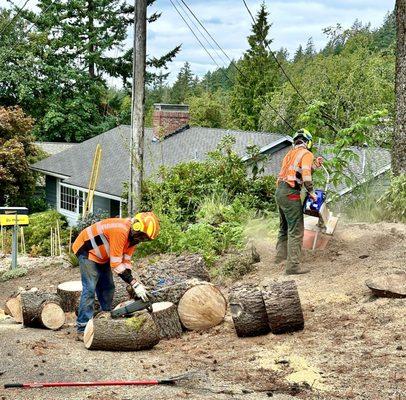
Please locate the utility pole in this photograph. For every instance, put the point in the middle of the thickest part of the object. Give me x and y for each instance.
(137, 106)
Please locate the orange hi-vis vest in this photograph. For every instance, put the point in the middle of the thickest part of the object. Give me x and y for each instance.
(296, 167)
(107, 240)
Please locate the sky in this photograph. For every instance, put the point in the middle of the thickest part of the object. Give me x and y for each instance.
(293, 23)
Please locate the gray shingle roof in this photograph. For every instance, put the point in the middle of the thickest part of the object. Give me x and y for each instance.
(192, 144)
(52, 148)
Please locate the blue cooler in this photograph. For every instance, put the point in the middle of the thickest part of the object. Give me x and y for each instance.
(311, 207)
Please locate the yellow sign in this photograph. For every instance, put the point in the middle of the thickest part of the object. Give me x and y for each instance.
(10, 219)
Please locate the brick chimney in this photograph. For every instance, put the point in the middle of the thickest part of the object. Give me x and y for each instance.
(169, 118)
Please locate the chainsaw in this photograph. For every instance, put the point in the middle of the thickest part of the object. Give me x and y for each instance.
(135, 304)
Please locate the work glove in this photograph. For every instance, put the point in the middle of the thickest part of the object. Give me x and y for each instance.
(140, 291)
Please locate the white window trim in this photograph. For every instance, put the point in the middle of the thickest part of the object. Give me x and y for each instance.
(70, 214)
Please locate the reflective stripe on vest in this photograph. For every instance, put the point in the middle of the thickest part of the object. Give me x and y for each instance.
(291, 170)
(93, 242)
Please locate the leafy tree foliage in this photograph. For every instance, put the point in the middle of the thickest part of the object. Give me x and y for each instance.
(17, 181)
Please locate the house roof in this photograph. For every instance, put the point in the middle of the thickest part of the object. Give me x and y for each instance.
(75, 163)
(52, 148)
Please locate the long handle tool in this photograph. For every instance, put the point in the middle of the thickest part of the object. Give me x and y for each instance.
(152, 382)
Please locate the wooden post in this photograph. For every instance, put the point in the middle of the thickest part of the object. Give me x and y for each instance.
(52, 246)
(137, 107)
(70, 240)
(2, 239)
(59, 237)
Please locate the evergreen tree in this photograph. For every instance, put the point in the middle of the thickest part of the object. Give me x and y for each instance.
(310, 51)
(259, 77)
(299, 54)
(184, 85)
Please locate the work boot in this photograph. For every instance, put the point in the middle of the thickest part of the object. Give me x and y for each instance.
(279, 260)
(79, 336)
(296, 271)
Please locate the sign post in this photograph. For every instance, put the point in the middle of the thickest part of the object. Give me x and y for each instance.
(15, 217)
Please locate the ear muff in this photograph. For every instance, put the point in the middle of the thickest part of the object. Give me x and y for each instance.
(137, 226)
(309, 144)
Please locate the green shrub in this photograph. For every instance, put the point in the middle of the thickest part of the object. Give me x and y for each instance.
(38, 232)
(394, 200)
(13, 273)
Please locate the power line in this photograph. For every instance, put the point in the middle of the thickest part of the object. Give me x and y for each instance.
(191, 30)
(231, 61)
(15, 16)
(197, 28)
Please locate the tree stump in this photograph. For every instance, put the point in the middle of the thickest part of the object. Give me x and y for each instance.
(70, 292)
(248, 310)
(128, 334)
(13, 308)
(165, 315)
(202, 307)
(42, 310)
(283, 307)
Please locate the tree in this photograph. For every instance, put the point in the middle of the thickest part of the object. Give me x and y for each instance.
(184, 85)
(399, 136)
(17, 151)
(299, 54)
(259, 78)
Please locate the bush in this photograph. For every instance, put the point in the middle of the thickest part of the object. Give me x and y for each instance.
(38, 232)
(394, 200)
(13, 273)
(83, 223)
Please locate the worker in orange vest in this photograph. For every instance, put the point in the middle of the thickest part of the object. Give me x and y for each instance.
(104, 247)
(296, 171)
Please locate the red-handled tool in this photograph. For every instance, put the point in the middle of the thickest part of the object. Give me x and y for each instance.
(32, 385)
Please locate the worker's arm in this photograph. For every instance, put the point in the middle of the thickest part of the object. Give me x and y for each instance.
(307, 162)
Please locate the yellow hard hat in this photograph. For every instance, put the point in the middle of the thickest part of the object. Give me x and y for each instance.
(148, 223)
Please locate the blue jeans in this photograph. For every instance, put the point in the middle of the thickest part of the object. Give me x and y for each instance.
(96, 279)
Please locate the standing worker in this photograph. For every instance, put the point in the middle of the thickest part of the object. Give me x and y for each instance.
(296, 171)
(105, 246)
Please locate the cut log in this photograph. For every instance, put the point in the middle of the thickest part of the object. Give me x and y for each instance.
(13, 308)
(202, 307)
(165, 315)
(173, 292)
(128, 334)
(173, 269)
(248, 310)
(42, 310)
(70, 292)
(282, 304)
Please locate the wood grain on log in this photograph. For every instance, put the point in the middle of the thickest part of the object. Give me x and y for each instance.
(248, 310)
(13, 308)
(282, 304)
(128, 334)
(165, 315)
(202, 307)
(42, 310)
(70, 292)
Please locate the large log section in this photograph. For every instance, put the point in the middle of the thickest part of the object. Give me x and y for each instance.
(128, 334)
(70, 292)
(248, 310)
(13, 308)
(42, 310)
(202, 307)
(282, 304)
(165, 315)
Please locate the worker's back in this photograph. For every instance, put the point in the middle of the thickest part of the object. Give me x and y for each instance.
(296, 166)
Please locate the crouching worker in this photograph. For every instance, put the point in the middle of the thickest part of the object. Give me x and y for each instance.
(104, 247)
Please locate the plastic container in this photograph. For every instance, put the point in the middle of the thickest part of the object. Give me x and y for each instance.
(311, 207)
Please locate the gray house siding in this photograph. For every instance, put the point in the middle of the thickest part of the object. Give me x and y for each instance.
(101, 205)
(50, 190)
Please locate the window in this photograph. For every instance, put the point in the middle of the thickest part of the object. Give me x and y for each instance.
(72, 199)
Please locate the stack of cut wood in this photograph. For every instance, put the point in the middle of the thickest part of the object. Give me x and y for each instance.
(275, 308)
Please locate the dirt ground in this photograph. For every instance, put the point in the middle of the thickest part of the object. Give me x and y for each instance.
(353, 345)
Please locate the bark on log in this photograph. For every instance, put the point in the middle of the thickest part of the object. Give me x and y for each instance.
(202, 307)
(70, 292)
(248, 310)
(282, 304)
(13, 308)
(128, 334)
(173, 269)
(165, 315)
(42, 310)
(173, 292)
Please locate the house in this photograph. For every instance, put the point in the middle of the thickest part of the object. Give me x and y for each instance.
(170, 142)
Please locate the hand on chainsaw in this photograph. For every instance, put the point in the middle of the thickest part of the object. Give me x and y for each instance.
(140, 291)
